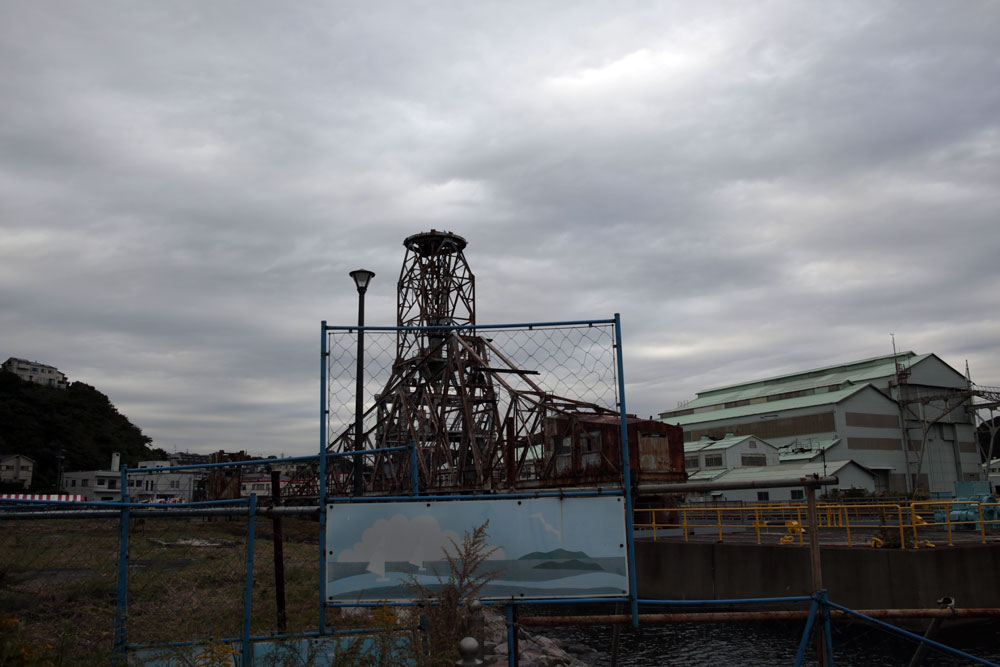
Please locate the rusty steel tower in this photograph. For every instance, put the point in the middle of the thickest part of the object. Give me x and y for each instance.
(468, 417)
(436, 289)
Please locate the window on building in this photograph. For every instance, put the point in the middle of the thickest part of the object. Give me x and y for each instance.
(590, 442)
(713, 460)
(798, 494)
(753, 444)
(112, 484)
(100, 481)
(763, 495)
(84, 482)
(72, 482)
(753, 460)
(690, 462)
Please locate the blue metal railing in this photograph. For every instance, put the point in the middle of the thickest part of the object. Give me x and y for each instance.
(820, 606)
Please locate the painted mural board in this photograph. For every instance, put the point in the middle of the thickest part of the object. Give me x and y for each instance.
(544, 547)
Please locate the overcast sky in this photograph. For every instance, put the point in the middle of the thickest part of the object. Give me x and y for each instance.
(757, 188)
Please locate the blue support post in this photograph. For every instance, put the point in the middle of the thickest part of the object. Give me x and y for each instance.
(323, 416)
(800, 656)
(511, 637)
(414, 473)
(824, 611)
(120, 648)
(627, 478)
(246, 653)
(909, 635)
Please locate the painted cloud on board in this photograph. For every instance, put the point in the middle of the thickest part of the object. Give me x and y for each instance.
(399, 539)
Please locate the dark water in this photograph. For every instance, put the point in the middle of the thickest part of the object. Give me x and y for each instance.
(772, 643)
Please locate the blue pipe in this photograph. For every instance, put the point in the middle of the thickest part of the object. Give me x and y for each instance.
(257, 638)
(499, 601)
(627, 479)
(323, 417)
(118, 504)
(698, 603)
(521, 325)
(824, 611)
(910, 635)
(121, 597)
(246, 654)
(227, 464)
(801, 654)
(352, 453)
(479, 496)
(511, 636)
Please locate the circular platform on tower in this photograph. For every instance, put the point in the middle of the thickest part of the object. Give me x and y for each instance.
(435, 243)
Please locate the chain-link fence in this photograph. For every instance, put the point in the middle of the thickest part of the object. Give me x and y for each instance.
(57, 587)
(182, 600)
(182, 578)
(575, 361)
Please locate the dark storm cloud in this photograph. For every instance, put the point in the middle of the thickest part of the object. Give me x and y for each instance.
(755, 188)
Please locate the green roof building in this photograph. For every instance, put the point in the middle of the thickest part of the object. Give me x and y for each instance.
(903, 417)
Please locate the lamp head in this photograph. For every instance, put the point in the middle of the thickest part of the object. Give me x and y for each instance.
(361, 278)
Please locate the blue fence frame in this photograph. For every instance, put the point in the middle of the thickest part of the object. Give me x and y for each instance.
(820, 605)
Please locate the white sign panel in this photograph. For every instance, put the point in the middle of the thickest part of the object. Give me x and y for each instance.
(541, 547)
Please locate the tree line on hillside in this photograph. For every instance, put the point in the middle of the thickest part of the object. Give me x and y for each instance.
(78, 424)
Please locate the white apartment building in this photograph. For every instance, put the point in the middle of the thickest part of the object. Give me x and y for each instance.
(33, 371)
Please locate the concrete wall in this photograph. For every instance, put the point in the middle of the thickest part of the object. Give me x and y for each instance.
(857, 577)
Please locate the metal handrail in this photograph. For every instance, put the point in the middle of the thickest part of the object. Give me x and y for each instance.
(789, 521)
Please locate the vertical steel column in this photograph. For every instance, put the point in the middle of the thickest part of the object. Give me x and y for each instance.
(120, 647)
(246, 653)
(323, 426)
(627, 478)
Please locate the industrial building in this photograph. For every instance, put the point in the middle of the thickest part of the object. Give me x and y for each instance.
(706, 459)
(905, 417)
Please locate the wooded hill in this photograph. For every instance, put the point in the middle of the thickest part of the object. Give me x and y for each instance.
(78, 423)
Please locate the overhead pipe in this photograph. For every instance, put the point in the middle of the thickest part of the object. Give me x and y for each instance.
(812, 481)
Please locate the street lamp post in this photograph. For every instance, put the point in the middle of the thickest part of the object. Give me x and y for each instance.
(361, 278)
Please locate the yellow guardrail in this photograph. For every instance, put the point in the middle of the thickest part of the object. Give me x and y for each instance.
(919, 521)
